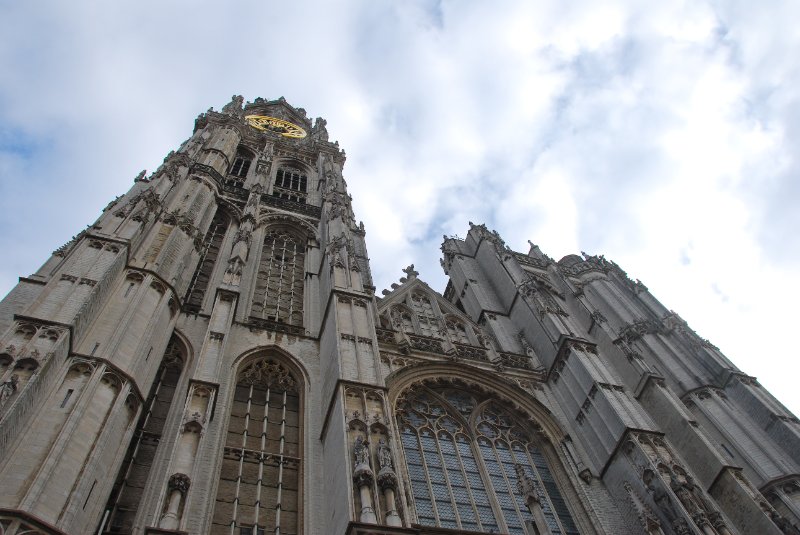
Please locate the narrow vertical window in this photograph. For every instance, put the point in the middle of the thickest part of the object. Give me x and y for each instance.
(205, 266)
(259, 479)
(279, 283)
(132, 478)
(239, 168)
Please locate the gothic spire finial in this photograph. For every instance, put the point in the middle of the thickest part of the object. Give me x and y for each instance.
(410, 273)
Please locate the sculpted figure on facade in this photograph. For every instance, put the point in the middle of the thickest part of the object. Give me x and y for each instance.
(8, 388)
(234, 107)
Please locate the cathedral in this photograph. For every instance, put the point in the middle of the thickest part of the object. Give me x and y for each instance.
(210, 356)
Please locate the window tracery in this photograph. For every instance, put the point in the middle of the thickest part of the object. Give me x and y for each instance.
(259, 479)
(132, 478)
(462, 450)
(428, 322)
(208, 259)
(290, 184)
(238, 171)
(279, 283)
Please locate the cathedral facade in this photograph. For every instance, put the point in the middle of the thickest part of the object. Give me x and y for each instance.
(210, 356)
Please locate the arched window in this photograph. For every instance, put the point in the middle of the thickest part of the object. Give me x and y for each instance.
(208, 259)
(132, 478)
(241, 165)
(462, 449)
(290, 184)
(279, 284)
(259, 482)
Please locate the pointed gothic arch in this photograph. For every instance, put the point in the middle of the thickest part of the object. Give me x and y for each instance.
(131, 481)
(463, 443)
(209, 255)
(279, 289)
(261, 474)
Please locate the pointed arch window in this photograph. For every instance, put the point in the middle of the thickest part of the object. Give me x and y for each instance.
(461, 451)
(239, 168)
(208, 259)
(279, 283)
(259, 483)
(290, 184)
(132, 477)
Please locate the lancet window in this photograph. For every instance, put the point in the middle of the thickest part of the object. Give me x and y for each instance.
(290, 184)
(462, 450)
(259, 481)
(238, 171)
(208, 259)
(132, 478)
(279, 283)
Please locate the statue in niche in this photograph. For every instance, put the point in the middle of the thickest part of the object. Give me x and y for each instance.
(384, 455)
(8, 388)
(361, 451)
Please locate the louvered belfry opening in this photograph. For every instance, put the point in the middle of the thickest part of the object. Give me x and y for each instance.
(133, 475)
(290, 184)
(209, 254)
(259, 481)
(278, 294)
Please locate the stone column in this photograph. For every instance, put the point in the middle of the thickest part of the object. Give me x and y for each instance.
(533, 501)
(387, 481)
(363, 478)
(178, 486)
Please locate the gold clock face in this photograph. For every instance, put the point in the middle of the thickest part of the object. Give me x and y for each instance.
(273, 124)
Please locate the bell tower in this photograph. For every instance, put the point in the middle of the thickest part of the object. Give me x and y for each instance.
(170, 368)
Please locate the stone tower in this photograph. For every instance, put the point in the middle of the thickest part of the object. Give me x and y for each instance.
(210, 357)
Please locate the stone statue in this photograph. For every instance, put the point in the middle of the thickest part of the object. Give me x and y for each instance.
(234, 107)
(384, 455)
(8, 388)
(360, 451)
(526, 487)
(319, 131)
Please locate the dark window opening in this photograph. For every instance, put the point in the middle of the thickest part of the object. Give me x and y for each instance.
(290, 184)
(205, 266)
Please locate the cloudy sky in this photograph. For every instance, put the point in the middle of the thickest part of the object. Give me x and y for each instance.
(664, 135)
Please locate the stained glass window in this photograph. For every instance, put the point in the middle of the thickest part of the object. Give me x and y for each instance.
(259, 482)
(462, 474)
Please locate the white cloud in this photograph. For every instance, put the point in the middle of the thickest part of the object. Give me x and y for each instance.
(662, 135)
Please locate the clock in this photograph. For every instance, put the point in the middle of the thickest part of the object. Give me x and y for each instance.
(273, 124)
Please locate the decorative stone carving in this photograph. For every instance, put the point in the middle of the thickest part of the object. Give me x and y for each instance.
(648, 520)
(363, 478)
(319, 132)
(179, 482)
(8, 388)
(234, 107)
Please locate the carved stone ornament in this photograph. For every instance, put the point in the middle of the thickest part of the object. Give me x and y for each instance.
(267, 373)
(234, 107)
(527, 487)
(8, 388)
(179, 482)
(362, 474)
